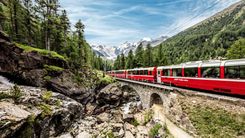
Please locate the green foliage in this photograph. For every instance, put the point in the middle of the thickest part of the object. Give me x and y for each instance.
(148, 57)
(31, 119)
(40, 51)
(216, 122)
(154, 130)
(46, 110)
(110, 134)
(139, 56)
(4, 95)
(53, 68)
(237, 50)
(148, 116)
(134, 122)
(47, 78)
(46, 96)
(130, 60)
(35, 29)
(58, 103)
(104, 79)
(16, 92)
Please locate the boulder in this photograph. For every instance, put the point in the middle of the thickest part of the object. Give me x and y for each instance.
(84, 135)
(128, 134)
(36, 117)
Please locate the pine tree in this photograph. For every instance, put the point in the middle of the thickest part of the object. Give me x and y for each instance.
(148, 58)
(65, 23)
(130, 60)
(237, 50)
(117, 63)
(80, 30)
(122, 61)
(139, 56)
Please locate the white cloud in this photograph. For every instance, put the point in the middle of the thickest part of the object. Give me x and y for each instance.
(108, 22)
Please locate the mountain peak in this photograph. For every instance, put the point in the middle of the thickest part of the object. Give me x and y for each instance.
(112, 52)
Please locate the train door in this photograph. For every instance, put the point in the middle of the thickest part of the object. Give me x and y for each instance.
(159, 76)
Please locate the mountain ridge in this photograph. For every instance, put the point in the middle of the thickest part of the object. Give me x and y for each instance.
(111, 53)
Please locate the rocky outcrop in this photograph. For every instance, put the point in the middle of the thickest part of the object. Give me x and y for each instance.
(27, 66)
(112, 96)
(36, 113)
(33, 68)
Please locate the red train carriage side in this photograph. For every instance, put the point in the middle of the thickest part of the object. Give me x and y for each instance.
(118, 73)
(218, 76)
(142, 74)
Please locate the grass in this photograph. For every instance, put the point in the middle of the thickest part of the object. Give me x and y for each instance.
(53, 54)
(58, 103)
(154, 130)
(134, 122)
(46, 110)
(110, 134)
(148, 116)
(53, 68)
(46, 96)
(216, 122)
(104, 79)
(15, 93)
(47, 78)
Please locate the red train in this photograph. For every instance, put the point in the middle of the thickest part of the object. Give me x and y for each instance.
(217, 76)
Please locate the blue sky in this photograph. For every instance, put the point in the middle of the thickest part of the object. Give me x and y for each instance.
(112, 22)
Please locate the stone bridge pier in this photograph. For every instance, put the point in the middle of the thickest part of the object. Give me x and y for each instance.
(150, 95)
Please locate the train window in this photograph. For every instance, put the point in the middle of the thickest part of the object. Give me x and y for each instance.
(166, 72)
(177, 72)
(235, 72)
(191, 72)
(150, 72)
(210, 72)
(145, 72)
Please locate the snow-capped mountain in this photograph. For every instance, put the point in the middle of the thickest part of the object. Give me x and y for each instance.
(112, 52)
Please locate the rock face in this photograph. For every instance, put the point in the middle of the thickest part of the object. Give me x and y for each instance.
(113, 95)
(36, 113)
(34, 69)
(26, 65)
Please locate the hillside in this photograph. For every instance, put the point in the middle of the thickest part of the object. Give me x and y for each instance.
(209, 39)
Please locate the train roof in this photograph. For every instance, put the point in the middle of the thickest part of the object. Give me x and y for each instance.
(207, 63)
(149, 68)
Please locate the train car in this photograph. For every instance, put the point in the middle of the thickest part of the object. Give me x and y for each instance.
(119, 73)
(218, 76)
(142, 74)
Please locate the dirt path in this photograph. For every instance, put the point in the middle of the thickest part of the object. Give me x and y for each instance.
(173, 129)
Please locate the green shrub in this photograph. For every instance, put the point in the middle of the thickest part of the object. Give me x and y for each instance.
(110, 134)
(40, 51)
(134, 122)
(46, 96)
(154, 130)
(147, 116)
(15, 92)
(53, 68)
(47, 78)
(4, 96)
(31, 119)
(58, 103)
(104, 79)
(46, 109)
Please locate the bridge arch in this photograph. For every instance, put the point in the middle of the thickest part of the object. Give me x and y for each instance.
(155, 99)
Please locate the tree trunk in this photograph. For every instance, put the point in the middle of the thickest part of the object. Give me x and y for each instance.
(11, 18)
(16, 20)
